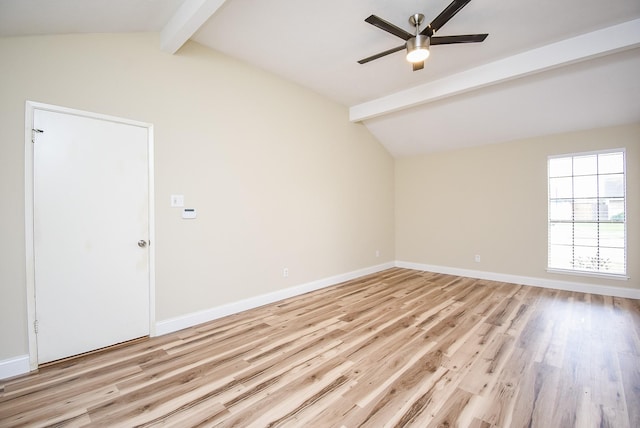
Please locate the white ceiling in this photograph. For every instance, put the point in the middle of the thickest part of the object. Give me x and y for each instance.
(548, 66)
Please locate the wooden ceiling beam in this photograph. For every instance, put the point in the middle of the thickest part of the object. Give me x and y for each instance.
(185, 22)
(587, 46)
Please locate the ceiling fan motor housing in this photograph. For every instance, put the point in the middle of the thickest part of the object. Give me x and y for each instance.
(418, 42)
(418, 48)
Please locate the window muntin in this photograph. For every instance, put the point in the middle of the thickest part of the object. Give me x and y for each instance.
(587, 213)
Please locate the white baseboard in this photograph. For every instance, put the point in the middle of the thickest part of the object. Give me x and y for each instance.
(604, 290)
(15, 366)
(189, 320)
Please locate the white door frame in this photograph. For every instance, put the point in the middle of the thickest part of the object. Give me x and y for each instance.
(31, 106)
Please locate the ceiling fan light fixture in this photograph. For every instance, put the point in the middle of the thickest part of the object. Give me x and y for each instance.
(418, 48)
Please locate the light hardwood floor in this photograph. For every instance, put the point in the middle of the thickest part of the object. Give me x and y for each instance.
(398, 348)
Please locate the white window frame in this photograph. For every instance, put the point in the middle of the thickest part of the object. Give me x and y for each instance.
(576, 271)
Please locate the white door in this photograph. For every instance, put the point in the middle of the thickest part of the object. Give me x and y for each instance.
(91, 230)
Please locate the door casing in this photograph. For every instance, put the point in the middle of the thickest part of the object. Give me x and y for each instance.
(31, 106)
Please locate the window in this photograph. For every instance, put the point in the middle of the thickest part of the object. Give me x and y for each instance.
(587, 215)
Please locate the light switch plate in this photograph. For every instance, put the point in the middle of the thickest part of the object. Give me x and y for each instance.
(177, 200)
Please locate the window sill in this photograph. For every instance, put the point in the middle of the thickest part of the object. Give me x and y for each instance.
(619, 277)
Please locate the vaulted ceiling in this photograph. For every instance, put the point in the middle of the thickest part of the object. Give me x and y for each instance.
(546, 67)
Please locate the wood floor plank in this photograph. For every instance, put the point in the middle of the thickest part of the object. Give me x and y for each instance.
(399, 348)
(631, 387)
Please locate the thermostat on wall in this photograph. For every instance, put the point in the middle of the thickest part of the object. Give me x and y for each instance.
(189, 213)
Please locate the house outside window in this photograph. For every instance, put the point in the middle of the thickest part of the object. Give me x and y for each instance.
(587, 213)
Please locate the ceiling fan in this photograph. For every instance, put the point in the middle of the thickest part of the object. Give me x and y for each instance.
(417, 44)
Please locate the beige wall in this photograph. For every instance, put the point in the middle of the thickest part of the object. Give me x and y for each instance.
(279, 176)
(491, 201)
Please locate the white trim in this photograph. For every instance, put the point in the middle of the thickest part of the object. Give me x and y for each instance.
(195, 318)
(31, 106)
(587, 273)
(29, 236)
(588, 153)
(598, 43)
(152, 230)
(15, 366)
(581, 287)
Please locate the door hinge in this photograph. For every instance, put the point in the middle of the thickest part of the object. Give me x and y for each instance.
(35, 131)
(35, 326)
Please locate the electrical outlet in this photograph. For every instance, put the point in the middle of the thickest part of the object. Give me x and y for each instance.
(477, 258)
(285, 272)
(377, 253)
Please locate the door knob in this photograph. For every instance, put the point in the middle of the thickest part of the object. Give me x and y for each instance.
(142, 243)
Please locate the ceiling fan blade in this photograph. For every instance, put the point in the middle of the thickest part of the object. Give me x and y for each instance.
(444, 16)
(381, 54)
(418, 66)
(388, 27)
(449, 40)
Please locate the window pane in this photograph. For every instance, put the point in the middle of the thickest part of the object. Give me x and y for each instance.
(612, 235)
(586, 234)
(586, 258)
(560, 167)
(610, 162)
(611, 185)
(560, 256)
(585, 165)
(612, 260)
(585, 186)
(561, 187)
(561, 210)
(615, 210)
(585, 209)
(561, 233)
